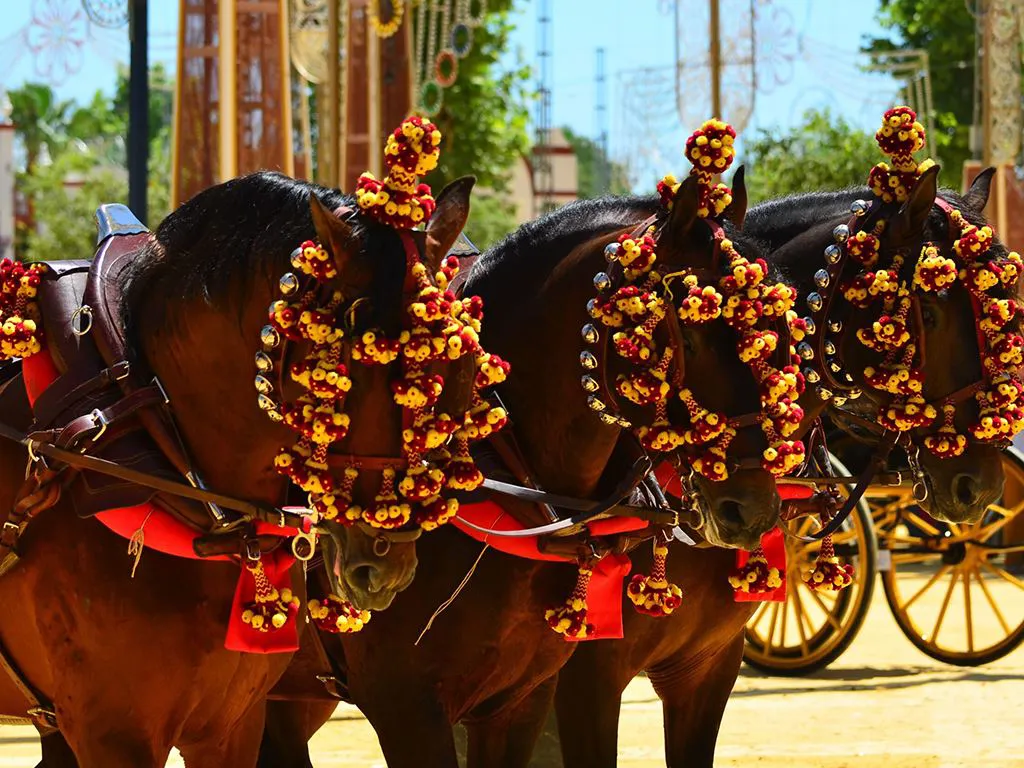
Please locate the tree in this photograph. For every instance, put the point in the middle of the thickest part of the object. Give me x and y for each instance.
(823, 152)
(40, 120)
(946, 31)
(597, 174)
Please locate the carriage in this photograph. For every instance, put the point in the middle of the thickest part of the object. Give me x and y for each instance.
(971, 573)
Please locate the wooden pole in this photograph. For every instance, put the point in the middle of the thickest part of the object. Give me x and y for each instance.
(330, 115)
(138, 108)
(227, 99)
(373, 96)
(715, 61)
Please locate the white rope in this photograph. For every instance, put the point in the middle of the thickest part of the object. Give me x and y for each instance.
(137, 543)
(443, 606)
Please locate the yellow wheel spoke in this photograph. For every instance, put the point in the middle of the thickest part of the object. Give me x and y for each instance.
(798, 611)
(991, 602)
(758, 615)
(945, 605)
(990, 530)
(771, 631)
(928, 585)
(1007, 550)
(923, 524)
(844, 536)
(967, 610)
(1004, 574)
(828, 612)
(782, 629)
(910, 558)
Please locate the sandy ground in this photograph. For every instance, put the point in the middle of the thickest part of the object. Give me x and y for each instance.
(882, 705)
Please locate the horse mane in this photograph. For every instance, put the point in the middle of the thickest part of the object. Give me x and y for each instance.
(498, 274)
(217, 244)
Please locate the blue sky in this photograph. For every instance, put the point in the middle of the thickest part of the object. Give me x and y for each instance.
(807, 58)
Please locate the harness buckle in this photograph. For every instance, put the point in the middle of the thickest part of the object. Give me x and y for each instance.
(42, 717)
(252, 549)
(99, 421)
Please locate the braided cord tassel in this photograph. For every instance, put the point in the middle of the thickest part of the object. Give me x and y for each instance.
(828, 572)
(653, 595)
(570, 618)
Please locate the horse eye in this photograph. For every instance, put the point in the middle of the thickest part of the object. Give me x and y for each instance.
(929, 316)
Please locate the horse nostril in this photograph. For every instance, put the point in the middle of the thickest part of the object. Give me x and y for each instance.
(363, 578)
(965, 489)
(730, 512)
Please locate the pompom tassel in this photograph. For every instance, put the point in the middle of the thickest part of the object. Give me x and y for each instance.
(337, 616)
(756, 577)
(570, 618)
(269, 610)
(654, 595)
(828, 572)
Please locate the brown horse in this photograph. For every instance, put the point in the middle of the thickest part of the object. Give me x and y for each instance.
(692, 657)
(137, 665)
(490, 660)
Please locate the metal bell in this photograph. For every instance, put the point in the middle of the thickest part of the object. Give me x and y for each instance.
(812, 327)
(833, 254)
(805, 350)
(824, 393)
(589, 384)
(847, 378)
(835, 326)
(266, 403)
(834, 366)
(595, 403)
(840, 233)
(263, 385)
(814, 302)
(859, 207)
(587, 360)
(269, 336)
(296, 258)
(821, 278)
(611, 252)
(602, 282)
(608, 419)
(854, 393)
(592, 307)
(624, 423)
(275, 415)
(288, 283)
(830, 348)
(263, 362)
(811, 376)
(838, 400)
(589, 333)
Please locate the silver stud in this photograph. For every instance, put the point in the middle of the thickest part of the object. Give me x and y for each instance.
(812, 327)
(269, 336)
(611, 252)
(805, 350)
(814, 302)
(821, 278)
(595, 403)
(602, 282)
(823, 393)
(592, 307)
(833, 254)
(834, 366)
(288, 283)
(608, 419)
(296, 258)
(840, 233)
(589, 384)
(859, 207)
(275, 415)
(854, 393)
(587, 360)
(589, 333)
(263, 385)
(811, 376)
(624, 423)
(835, 326)
(838, 400)
(263, 362)
(266, 403)
(830, 348)
(847, 378)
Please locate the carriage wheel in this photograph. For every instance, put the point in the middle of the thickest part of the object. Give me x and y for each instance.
(957, 591)
(811, 629)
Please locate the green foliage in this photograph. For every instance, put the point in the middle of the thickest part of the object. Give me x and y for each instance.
(65, 216)
(597, 174)
(823, 152)
(485, 112)
(41, 120)
(945, 29)
(491, 217)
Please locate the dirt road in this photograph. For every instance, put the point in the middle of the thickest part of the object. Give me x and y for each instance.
(882, 705)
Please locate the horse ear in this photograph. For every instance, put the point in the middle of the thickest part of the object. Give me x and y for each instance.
(908, 223)
(335, 235)
(736, 211)
(977, 196)
(448, 221)
(684, 210)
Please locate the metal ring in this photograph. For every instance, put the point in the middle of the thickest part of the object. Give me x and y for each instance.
(310, 540)
(86, 311)
(923, 495)
(381, 546)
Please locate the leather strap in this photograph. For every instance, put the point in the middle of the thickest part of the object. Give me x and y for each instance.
(40, 711)
(65, 392)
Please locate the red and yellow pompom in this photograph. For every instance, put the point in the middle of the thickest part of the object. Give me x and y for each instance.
(828, 573)
(21, 331)
(654, 595)
(271, 609)
(756, 577)
(337, 616)
(570, 618)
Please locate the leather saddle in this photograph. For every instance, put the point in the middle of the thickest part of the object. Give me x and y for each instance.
(102, 401)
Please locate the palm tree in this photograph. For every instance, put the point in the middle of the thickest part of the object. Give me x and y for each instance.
(40, 120)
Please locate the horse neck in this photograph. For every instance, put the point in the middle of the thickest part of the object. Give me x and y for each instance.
(565, 446)
(203, 356)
